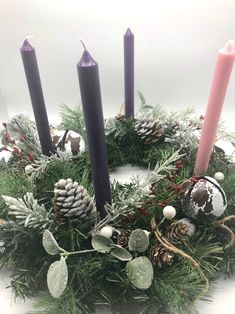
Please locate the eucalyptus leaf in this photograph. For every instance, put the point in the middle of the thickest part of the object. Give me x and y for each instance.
(101, 243)
(138, 241)
(57, 277)
(49, 243)
(140, 272)
(120, 253)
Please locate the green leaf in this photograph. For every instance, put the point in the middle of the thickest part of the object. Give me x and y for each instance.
(120, 253)
(49, 243)
(138, 241)
(57, 277)
(101, 243)
(140, 272)
(142, 99)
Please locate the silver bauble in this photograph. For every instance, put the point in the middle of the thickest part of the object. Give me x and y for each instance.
(204, 199)
(67, 143)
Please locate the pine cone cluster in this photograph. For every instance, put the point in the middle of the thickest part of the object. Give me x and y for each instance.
(178, 232)
(160, 256)
(123, 238)
(149, 129)
(72, 201)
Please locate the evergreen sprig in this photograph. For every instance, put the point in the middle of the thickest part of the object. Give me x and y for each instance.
(101, 278)
(28, 212)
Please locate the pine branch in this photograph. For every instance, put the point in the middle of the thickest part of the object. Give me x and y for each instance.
(28, 212)
(162, 169)
(72, 119)
(23, 128)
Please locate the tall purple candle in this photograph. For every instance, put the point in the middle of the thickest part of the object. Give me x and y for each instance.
(36, 94)
(88, 74)
(129, 73)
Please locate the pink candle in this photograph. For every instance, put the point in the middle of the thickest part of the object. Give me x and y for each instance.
(223, 68)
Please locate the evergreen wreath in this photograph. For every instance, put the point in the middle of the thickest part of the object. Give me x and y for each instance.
(149, 251)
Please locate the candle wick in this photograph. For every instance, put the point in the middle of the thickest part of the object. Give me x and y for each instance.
(83, 44)
(29, 37)
(231, 44)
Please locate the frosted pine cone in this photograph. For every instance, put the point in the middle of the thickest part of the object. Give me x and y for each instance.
(178, 232)
(149, 129)
(71, 201)
(160, 256)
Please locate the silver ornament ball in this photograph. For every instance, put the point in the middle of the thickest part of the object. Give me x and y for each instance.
(204, 199)
(67, 143)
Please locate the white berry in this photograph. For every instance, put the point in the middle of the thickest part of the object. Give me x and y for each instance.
(28, 169)
(169, 212)
(107, 231)
(219, 176)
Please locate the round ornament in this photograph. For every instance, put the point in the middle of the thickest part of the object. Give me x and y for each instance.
(204, 199)
(29, 169)
(219, 176)
(67, 143)
(169, 212)
(107, 231)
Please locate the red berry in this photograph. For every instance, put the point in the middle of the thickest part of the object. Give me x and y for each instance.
(171, 177)
(143, 211)
(194, 179)
(163, 204)
(179, 164)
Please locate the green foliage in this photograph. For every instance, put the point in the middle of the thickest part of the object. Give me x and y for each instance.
(176, 288)
(68, 304)
(58, 168)
(28, 212)
(98, 277)
(12, 183)
(72, 119)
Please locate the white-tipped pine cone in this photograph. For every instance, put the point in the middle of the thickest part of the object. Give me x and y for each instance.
(72, 201)
(149, 129)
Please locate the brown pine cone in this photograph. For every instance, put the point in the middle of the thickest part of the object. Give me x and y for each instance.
(160, 256)
(123, 238)
(178, 232)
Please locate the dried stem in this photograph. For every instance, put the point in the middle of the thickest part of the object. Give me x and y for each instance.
(220, 224)
(169, 246)
(228, 218)
(231, 234)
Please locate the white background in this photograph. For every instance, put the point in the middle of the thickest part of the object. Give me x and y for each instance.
(176, 43)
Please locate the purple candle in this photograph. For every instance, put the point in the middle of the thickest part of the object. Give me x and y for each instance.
(36, 94)
(88, 74)
(129, 73)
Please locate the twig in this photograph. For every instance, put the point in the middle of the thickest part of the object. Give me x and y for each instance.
(220, 224)
(169, 246)
(228, 218)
